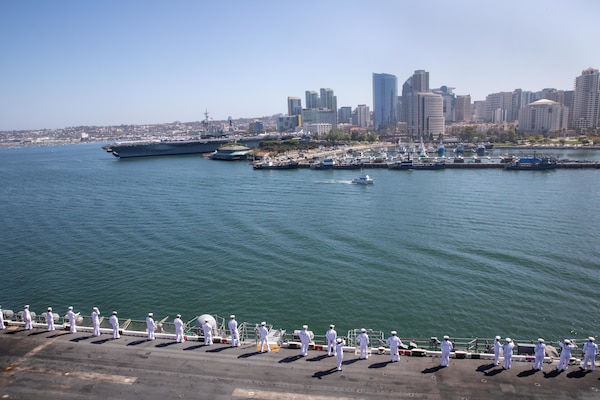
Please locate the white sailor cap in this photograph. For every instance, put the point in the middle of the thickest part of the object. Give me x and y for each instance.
(591, 338)
(363, 330)
(70, 307)
(232, 316)
(178, 315)
(263, 323)
(567, 341)
(95, 309)
(394, 332)
(49, 308)
(332, 326)
(26, 305)
(114, 312)
(340, 340)
(446, 337)
(150, 314)
(508, 339)
(304, 326)
(541, 340)
(498, 338)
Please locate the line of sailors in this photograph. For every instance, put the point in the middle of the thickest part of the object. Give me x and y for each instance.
(590, 351)
(335, 344)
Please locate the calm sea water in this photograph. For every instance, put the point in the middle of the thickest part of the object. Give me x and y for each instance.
(460, 252)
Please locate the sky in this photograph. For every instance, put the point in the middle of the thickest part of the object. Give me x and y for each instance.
(75, 63)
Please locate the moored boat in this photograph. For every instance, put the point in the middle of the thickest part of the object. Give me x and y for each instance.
(276, 164)
(408, 164)
(533, 163)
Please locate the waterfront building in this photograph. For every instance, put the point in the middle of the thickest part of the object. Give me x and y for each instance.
(317, 129)
(478, 114)
(449, 102)
(294, 105)
(426, 116)
(385, 100)
(363, 116)
(288, 123)
(319, 116)
(345, 115)
(256, 127)
(543, 116)
(586, 101)
(498, 107)
(463, 109)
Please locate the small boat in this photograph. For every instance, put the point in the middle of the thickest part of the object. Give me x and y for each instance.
(363, 180)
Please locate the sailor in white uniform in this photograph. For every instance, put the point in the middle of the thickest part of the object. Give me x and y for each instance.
(394, 342)
(565, 354)
(447, 347)
(1, 319)
(497, 349)
(339, 351)
(151, 326)
(363, 341)
(264, 337)
(590, 351)
(331, 336)
(50, 319)
(27, 318)
(304, 340)
(235, 333)
(72, 320)
(540, 353)
(114, 321)
(178, 328)
(207, 328)
(507, 350)
(96, 321)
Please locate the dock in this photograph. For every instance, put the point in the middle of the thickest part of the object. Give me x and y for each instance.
(58, 365)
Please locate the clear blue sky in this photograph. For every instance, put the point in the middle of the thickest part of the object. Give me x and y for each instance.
(70, 63)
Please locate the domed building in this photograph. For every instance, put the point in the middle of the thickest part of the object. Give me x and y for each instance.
(543, 116)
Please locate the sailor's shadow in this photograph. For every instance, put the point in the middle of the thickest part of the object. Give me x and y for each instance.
(321, 374)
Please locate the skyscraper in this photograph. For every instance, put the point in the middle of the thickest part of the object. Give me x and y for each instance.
(586, 102)
(294, 106)
(312, 99)
(385, 101)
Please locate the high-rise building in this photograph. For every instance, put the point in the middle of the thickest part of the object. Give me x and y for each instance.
(586, 101)
(543, 116)
(385, 100)
(328, 100)
(345, 115)
(363, 116)
(463, 109)
(426, 116)
(498, 107)
(312, 99)
(294, 105)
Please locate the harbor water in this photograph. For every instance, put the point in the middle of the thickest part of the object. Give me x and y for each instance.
(468, 253)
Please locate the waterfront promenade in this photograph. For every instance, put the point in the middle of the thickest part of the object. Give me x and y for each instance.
(59, 365)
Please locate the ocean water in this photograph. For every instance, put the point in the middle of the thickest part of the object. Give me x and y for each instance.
(469, 253)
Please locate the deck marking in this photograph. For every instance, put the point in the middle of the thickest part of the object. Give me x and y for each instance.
(268, 395)
(92, 376)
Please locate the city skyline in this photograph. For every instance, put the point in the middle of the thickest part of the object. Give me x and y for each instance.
(74, 64)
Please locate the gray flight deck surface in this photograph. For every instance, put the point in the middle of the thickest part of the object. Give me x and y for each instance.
(37, 364)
